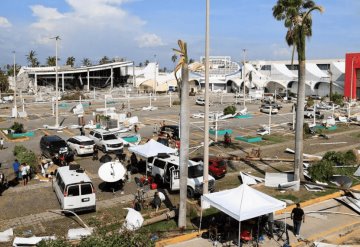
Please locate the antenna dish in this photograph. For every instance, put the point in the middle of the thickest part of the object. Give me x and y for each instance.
(111, 171)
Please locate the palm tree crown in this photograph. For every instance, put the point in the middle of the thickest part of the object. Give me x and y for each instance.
(70, 61)
(32, 59)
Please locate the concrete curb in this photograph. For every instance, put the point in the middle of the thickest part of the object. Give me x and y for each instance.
(20, 139)
(179, 239)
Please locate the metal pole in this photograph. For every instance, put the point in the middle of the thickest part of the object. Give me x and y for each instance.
(15, 106)
(105, 106)
(270, 120)
(56, 84)
(206, 114)
(351, 81)
(170, 103)
(154, 89)
(293, 122)
(244, 76)
(314, 114)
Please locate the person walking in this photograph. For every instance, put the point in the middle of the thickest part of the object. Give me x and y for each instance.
(16, 168)
(24, 173)
(1, 143)
(297, 215)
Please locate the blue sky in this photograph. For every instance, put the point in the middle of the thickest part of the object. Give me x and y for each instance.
(140, 29)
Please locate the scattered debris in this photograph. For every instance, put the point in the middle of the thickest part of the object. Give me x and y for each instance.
(133, 220)
(32, 241)
(249, 179)
(341, 181)
(275, 179)
(351, 202)
(313, 188)
(78, 233)
(310, 156)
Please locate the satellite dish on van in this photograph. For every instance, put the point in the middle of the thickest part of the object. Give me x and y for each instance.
(111, 171)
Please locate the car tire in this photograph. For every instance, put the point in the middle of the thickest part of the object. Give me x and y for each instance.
(190, 192)
(103, 148)
(76, 153)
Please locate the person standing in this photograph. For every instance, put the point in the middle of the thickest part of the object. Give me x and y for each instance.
(16, 168)
(24, 173)
(297, 215)
(1, 143)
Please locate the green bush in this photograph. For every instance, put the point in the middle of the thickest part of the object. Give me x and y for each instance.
(310, 102)
(231, 109)
(18, 128)
(322, 171)
(24, 155)
(341, 159)
(337, 99)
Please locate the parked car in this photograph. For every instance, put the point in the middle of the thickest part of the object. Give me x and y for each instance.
(173, 130)
(81, 145)
(273, 104)
(266, 109)
(217, 166)
(105, 140)
(200, 101)
(54, 145)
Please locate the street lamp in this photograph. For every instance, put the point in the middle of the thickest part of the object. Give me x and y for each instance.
(206, 113)
(15, 106)
(56, 83)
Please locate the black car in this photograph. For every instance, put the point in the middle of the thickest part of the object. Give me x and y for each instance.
(52, 146)
(173, 130)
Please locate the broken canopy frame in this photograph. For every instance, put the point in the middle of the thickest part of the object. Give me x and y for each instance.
(250, 179)
(242, 203)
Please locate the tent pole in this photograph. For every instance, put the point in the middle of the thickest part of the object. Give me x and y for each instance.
(286, 229)
(201, 214)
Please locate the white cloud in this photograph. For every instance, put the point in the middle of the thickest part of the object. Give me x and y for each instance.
(280, 52)
(4, 22)
(149, 40)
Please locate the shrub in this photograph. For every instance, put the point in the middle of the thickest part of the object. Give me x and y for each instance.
(176, 102)
(18, 128)
(310, 102)
(341, 159)
(322, 171)
(24, 155)
(229, 110)
(73, 96)
(337, 99)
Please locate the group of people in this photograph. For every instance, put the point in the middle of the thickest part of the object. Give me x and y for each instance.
(22, 171)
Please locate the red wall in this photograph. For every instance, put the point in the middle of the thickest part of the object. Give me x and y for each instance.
(352, 62)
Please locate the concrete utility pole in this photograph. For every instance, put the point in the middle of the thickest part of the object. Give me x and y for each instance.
(56, 83)
(206, 114)
(244, 76)
(15, 105)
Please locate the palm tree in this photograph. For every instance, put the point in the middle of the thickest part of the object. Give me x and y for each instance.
(184, 129)
(146, 62)
(296, 15)
(51, 61)
(70, 61)
(32, 59)
(104, 60)
(86, 62)
(4, 83)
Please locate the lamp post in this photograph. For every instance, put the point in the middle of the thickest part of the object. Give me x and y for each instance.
(206, 113)
(15, 106)
(154, 89)
(56, 83)
(244, 76)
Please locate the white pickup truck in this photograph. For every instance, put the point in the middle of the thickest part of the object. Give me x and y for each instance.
(166, 170)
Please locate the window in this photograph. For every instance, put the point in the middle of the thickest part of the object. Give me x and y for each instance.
(109, 137)
(91, 133)
(60, 182)
(86, 189)
(266, 67)
(85, 143)
(73, 190)
(159, 163)
(97, 135)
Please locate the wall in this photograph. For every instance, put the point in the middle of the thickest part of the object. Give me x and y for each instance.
(352, 64)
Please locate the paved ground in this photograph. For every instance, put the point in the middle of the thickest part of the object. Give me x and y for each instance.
(27, 205)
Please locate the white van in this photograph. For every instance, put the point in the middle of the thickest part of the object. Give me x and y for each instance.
(166, 170)
(74, 189)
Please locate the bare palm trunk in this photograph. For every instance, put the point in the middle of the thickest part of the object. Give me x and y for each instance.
(184, 144)
(299, 128)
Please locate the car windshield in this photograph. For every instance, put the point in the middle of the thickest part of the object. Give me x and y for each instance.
(195, 171)
(109, 137)
(87, 143)
(58, 144)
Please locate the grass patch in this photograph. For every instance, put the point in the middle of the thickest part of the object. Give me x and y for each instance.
(273, 139)
(162, 226)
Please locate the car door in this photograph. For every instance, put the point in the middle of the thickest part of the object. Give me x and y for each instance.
(71, 144)
(72, 197)
(174, 178)
(87, 195)
(98, 139)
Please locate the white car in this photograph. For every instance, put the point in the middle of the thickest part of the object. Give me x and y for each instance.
(200, 101)
(106, 140)
(266, 109)
(81, 145)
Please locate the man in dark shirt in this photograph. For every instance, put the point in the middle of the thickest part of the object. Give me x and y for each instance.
(297, 215)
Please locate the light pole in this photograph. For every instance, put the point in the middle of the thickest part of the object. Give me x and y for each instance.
(352, 77)
(154, 89)
(15, 106)
(206, 114)
(244, 76)
(56, 83)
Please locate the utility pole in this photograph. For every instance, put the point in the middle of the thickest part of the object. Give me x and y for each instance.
(206, 114)
(15, 105)
(244, 76)
(56, 83)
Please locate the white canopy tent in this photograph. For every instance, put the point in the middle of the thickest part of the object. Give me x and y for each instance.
(151, 149)
(243, 203)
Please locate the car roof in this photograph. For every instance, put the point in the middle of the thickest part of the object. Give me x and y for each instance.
(52, 138)
(102, 131)
(82, 138)
(71, 176)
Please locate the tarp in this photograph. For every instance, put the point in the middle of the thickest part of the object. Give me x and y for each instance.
(151, 149)
(243, 202)
(6, 235)
(79, 233)
(30, 241)
(133, 220)
(249, 179)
